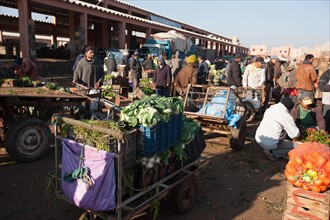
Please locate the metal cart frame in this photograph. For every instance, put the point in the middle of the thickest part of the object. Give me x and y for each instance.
(198, 96)
(132, 206)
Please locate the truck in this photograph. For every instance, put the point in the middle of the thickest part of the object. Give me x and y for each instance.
(170, 42)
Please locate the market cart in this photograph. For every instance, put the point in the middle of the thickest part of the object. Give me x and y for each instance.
(213, 106)
(252, 99)
(181, 179)
(24, 113)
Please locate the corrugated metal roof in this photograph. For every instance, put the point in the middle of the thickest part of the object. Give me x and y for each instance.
(110, 11)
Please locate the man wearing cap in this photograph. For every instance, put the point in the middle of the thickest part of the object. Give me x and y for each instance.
(308, 115)
(254, 74)
(89, 71)
(306, 77)
(234, 77)
(186, 76)
(136, 70)
(276, 125)
(162, 77)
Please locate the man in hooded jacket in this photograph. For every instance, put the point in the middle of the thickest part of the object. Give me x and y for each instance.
(162, 77)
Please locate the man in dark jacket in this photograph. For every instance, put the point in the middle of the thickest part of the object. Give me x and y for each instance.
(234, 77)
(110, 63)
(269, 81)
(324, 86)
(308, 115)
(89, 71)
(136, 70)
(148, 64)
(162, 77)
(203, 71)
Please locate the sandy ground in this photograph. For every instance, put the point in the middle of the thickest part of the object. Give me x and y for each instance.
(236, 185)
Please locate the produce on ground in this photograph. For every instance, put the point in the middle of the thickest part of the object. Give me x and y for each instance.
(313, 135)
(309, 166)
(150, 110)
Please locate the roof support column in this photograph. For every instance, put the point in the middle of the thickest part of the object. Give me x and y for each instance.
(217, 49)
(129, 36)
(121, 34)
(83, 29)
(53, 39)
(105, 34)
(148, 33)
(72, 27)
(23, 18)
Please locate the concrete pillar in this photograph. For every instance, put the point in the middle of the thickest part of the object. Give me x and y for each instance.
(148, 33)
(24, 16)
(83, 29)
(1, 36)
(53, 39)
(105, 34)
(129, 36)
(72, 27)
(121, 34)
(217, 48)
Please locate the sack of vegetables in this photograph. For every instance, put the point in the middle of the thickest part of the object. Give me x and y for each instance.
(309, 166)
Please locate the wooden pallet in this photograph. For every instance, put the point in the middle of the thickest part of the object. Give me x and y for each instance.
(306, 205)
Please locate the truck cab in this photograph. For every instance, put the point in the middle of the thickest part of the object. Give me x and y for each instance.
(156, 48)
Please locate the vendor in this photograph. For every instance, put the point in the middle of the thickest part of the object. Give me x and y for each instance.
(276, 124)
(308, 115)
(26, 67)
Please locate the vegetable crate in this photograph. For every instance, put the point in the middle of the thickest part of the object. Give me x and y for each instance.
(304, 204)
(149, 176)
(194, 149)
(156, 139)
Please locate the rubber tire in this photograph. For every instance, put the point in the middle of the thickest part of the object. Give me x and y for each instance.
(184, 195)
(238, 135)
(251, 114)
(28, 129)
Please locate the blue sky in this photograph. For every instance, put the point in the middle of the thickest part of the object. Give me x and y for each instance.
(273, 23)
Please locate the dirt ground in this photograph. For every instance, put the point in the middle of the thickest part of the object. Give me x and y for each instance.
(240, 185)
(236, 185)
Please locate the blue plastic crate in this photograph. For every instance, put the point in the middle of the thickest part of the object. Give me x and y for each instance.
(156, 139)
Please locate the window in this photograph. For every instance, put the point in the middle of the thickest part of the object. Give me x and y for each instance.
(261, 50)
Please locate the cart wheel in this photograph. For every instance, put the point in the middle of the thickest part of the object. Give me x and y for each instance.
(184, 195)
(250, 111)
(238, 135)
(28, 139)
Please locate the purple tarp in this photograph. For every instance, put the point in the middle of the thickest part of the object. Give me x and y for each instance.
(101, 197)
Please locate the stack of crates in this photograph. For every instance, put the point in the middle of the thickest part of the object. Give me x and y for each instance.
(304, 204)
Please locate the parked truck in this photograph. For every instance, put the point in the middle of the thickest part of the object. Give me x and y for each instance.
(170, 42)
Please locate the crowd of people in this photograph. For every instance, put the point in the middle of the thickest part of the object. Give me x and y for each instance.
(280, 122)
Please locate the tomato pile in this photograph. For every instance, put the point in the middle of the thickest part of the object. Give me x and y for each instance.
(313, 135)
(309, 166)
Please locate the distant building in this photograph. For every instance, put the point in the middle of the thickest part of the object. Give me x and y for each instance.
(282, 51)
(259, 50)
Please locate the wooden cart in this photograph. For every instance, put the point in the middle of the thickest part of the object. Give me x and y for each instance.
(199, 97)
(25, 113)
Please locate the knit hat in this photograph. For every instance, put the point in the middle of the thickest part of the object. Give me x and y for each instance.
(192, 59)
(88, 49)
(287, 102)
(161, 59)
